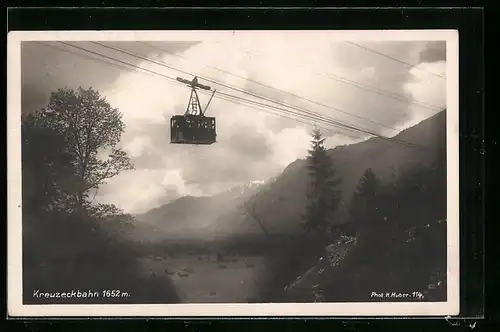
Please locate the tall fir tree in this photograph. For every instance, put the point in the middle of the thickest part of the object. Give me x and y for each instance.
(364, 202)
(365, 207)
(324, 195)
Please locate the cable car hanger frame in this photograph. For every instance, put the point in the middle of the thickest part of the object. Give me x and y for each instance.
(194, 99)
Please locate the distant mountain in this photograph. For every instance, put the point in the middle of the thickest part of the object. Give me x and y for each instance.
(279, 202)
(245, 189)
(192, 217)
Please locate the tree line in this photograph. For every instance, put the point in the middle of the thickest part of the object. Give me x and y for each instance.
(397, 225)
(378, 210)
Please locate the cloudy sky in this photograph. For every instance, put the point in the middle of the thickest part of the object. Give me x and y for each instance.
(360, 88)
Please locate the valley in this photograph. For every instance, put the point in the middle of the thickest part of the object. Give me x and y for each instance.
(247, 244)
(204, 279)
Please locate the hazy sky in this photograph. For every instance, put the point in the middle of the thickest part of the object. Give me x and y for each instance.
(252, 144)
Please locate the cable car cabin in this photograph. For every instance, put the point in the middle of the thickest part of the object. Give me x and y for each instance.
(192, 129)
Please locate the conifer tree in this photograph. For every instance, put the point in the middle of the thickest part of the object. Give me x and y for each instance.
(324, 195)
(364, 199)
(365, 209)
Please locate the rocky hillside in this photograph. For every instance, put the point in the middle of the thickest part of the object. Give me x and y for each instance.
(277, 205)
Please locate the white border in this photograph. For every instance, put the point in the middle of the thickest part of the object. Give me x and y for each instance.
(14, 259)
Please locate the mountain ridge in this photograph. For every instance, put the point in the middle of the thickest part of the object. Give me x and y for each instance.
(278, 203)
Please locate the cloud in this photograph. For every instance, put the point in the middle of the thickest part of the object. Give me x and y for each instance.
(427, 87)
(249, 143)
(50, 65)
(142, 189)
(434, 52)
(252, 144)
(136, 145)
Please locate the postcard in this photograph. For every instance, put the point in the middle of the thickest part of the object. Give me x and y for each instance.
(233, 173)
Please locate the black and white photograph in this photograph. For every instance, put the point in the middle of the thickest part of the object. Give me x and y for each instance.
(233, 173)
